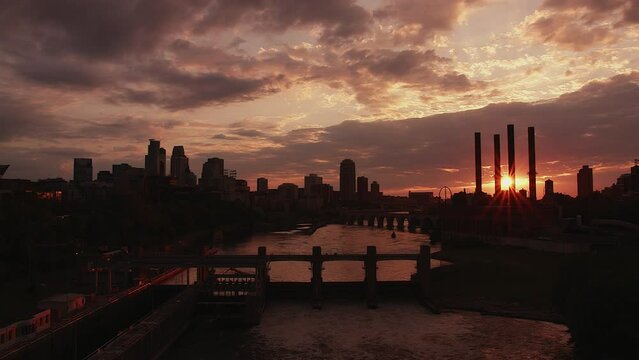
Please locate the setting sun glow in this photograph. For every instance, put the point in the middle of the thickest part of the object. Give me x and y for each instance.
(506, 182)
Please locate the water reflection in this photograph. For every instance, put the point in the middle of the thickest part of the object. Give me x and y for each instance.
(336, 239)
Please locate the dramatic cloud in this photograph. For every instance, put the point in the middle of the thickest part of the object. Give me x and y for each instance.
(581, 24)
(339, 19)
(415, 20)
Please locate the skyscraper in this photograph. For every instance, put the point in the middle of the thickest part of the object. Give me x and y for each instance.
(82, 170)
(362, 188)
(212, 172)
(262, 185)
(374, 190)
(634, 178)
(549, 188)
(584, 182)
(312, 184)
(152, 158)
(347, 180)
(180, 167)
(162, 162)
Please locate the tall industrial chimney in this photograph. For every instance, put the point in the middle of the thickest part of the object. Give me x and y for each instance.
(532, 166)
(497, 164)
(511, 156)
(477, 163)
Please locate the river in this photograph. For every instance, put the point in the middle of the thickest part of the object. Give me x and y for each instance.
(348, 330)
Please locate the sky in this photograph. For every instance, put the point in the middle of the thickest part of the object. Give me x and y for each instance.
(283, 88)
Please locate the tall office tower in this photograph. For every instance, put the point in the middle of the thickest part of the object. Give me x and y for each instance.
(152, 158)
(374, 190)
(262, 185)
(347, 180)
(179, 165)
(634, 178)
(511, 156)
(549, 188)
(362, 188)
(82, 170)
(162, 167)
(477, 163)
(584, 182)
(212, 172)
(497, 164)
(312, 184)
(532, 166)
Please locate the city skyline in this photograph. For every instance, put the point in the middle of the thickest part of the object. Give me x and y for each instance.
(282, 91)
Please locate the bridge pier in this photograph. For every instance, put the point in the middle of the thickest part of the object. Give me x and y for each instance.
(390, 222)
(316, 279)
(423, 274)
(261, 271)
(370, 265)
(360, 221)
(400, 223)
(371, 221)
(380, 222)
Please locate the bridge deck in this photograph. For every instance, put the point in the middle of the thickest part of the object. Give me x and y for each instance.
(253, 260)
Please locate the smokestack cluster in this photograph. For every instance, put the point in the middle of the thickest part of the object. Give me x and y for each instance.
(477, 163)
(511, 156)
(532, 167)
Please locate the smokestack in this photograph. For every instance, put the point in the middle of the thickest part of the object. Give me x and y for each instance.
(477, 163)
(532, 166)
(497, 164)
(511, 156)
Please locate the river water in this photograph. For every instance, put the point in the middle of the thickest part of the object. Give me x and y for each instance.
(398, 329)
(336, 239)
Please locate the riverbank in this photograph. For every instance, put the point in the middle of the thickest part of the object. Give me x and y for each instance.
(500, 281)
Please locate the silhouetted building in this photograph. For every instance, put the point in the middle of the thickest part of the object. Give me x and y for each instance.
(262, 185)
(312, 184)
(584, 182)
(288, 192)
(152, 158)
(421, 197)
(549, 188)
(127, 179)
(347, 180)
(497, 165)
(375, 193)
(232, 173)
(362, 188)
(119, 169)
(478, 163)
(532, 165)
(105, 176)
(634, 178)
(624, 183)
(180, 169)
(82, 170)
(212, 173)
(162, 168)
(511, 156)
